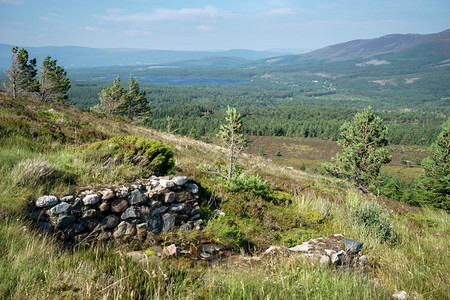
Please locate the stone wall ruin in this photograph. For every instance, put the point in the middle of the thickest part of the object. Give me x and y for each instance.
(120, 212)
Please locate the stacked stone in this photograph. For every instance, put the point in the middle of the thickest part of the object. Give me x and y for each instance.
(334, 249)
(120, 212)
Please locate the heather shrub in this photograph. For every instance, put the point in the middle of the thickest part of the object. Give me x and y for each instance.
(375, 221)
(152, 157)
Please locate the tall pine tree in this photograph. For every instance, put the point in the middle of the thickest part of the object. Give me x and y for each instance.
(434, 184)
(135, 104)
(111, 98)
(21, 74)
(54, 83)
(362, 155)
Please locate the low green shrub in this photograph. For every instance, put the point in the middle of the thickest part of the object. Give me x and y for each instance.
(247, 183)
(153, 157)
(375, 221)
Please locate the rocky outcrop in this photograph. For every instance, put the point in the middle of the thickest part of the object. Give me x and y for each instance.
(332, 250)
(120, 212)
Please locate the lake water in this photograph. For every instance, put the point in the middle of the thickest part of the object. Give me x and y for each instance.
(180, 81)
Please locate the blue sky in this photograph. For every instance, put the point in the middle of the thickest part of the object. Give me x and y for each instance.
(213, 25)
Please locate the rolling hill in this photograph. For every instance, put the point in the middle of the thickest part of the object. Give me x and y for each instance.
(412, 46)
(71, 56)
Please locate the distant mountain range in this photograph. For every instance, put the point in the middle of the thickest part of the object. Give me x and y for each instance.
(405, 46)
(411, 45)
(72, 56)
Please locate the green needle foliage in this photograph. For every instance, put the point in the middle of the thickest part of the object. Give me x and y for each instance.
(131, 104)
(54, 83)
(232, 137)
(111, 98)
(21, 74)
(362, 155)
(135, 102)
(434, 185)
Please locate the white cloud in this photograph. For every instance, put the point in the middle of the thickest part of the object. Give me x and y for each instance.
(165, 14)
(91, 29)
(203, 28)
(134, 32)
(280, 11)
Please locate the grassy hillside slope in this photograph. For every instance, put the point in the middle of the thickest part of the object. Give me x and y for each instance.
(47, 149)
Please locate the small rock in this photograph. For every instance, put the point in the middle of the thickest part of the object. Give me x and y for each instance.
(90, 214)
(154, 224)
(324, 260)
(169, 197)
(400, 295)
(153, 196)
(204, 255)
(191, 188)
(363, 260)
(276, 249)
(168, 222)
(124, 192)
(172, 250)
(77, 228)
(177, 207)
(184, 196)
(38, 215)
(195, 210)
(353, 246)
(46, 201)
(195, 217)
(107, 194)
(45, 226)
(218, 212)
(104, 207)
(304, 247)
(180, 180)
(110, 222)
(154, 183)
(130, 213)
(338, 258)
(124, 229)
(212, 248)
(142, 226)
(68, 198)
(104, 235)
(137, 197)
(119, 205)
(64, 221)
(159, 210)
(186, 227)
(166, 183)
(91, 199)
(61, 208)
(198, 222)
(154, 204)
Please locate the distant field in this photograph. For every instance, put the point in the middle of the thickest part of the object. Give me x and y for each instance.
(312, 152)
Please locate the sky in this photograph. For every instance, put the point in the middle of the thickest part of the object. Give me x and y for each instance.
(214, 24)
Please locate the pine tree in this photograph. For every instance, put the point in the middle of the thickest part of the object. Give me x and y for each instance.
(135, 104)
(111, 98)
(435, 182)
(54, 83)
(232, 137)
(21, 74)
(362, 155)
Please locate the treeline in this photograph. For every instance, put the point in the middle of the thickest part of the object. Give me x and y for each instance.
(294, 121)
(303, 102)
